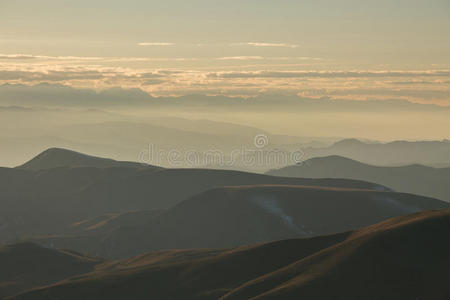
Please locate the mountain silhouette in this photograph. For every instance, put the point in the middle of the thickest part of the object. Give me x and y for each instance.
(416, 179)
(58, 157)
(432, 153)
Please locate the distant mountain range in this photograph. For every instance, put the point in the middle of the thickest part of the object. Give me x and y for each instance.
(400, 259)
(57, 95)
(415, 179)
(131, 139)
(397, 153)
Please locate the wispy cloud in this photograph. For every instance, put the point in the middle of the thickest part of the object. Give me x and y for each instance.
(21, 56)
(16, 56)
(309, 58)
(32, 56)
(264, 44)
(328, 74)
(156, 44)
(92, 58)
(241, 58)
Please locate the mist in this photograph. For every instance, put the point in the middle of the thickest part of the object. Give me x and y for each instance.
(123, 124)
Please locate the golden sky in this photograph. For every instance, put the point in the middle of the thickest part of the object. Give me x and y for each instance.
(337, 49)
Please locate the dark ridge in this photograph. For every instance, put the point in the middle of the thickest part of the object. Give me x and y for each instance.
(58, 157)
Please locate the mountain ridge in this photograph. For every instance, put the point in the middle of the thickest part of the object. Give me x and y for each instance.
(60, 157)
(361, 266)
(416, 178)
(253, 214)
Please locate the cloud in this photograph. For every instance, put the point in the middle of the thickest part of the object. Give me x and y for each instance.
(152, 82)
(337, 84)
(47, 57)
(241, 58)
(417, 82)
(17, 56)
(398, 93)
(32, 56)
(150, 75)
(308, 58)
(156, 44)
(294, 58)
(87, 76)
(263, 44)
(328, 74)
(113, 59)
(51, 75)
(92, 58)
(50, 95)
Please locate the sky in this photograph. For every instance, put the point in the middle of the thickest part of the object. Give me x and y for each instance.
(348, 49)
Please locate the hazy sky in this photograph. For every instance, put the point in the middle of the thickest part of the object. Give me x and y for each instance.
(316, 49)
(394, 49)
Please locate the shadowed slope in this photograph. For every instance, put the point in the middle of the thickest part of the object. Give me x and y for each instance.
(234, 216)
(402, 258)
(87, 236)
(108, 223)
(183, 274)
(37, 202)
(149, 189)
(27, 265)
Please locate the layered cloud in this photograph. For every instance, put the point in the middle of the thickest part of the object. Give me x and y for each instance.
(330, 74)
(156, 44)
(245, 76)
(91, 58)
(241, 58)
(265, 44)
(242, 44)
(16, 56)
(112, 59)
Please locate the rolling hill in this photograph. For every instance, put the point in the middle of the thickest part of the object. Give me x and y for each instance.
(183, 274)
(234, 216)
(415, 179)
(50, 200)
(401, 258)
